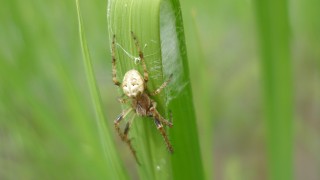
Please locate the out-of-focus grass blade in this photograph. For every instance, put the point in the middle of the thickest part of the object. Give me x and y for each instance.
(273, 23)
(114, 167)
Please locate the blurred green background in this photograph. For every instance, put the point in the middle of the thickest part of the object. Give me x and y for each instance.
(47, 127)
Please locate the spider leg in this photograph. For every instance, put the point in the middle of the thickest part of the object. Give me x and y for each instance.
(145, 74)
(164, 135)
(128, 141)
(114, 69)
(123, 99)
(162, 86)
(158, 116)
(117, 121)
(124, 135)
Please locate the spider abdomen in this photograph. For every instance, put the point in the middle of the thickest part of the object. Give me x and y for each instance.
(133, 83)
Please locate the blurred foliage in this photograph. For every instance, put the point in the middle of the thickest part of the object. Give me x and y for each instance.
(47, 126)
(114, 168)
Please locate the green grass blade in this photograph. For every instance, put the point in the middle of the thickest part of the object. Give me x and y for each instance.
(273, 23)
(141, 17)
(186, 163)
(113, 163)
(159, 29)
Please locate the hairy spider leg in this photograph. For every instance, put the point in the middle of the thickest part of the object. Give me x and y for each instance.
(123, 99)
(124, 136)
(164, 135)
(157, 91)
(145, 73)
(117, 121)
(114, 69)
(158, 116)
(128, 141)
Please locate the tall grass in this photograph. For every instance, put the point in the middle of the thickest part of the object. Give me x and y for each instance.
(272, 17)
(48, 128)
(58, 103)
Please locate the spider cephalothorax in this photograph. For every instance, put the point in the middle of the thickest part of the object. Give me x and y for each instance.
(134, 87)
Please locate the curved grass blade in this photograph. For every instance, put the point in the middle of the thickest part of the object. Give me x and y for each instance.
(113, 162)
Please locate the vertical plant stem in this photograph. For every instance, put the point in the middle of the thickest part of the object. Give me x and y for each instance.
(272, 16)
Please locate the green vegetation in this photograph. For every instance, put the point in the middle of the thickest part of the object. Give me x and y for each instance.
(245, 93)
(114, 169)
(165, 53)
(277, 77)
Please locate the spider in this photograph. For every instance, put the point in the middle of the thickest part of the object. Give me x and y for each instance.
(134, 87)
